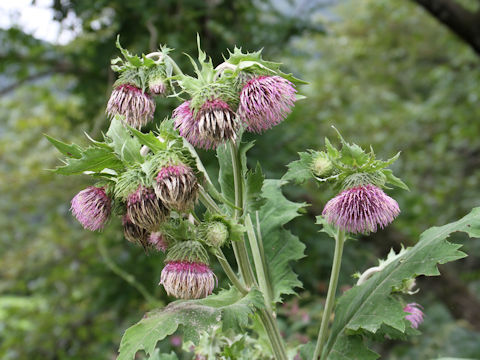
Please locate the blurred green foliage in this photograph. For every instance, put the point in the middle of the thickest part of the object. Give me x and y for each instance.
(384, 73)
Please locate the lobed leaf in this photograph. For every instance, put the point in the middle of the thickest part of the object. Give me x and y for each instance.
(370, 308)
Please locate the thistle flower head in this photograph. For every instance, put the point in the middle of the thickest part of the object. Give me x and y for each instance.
(214, 123)
(132, 103)
(92, 207)
(134, 233)
(188, 280)
(157, 84)
(145, 209)
(186, 274)
(361, 209)
(176, 186)
(415, 314)
(265, 101)
(158, 241)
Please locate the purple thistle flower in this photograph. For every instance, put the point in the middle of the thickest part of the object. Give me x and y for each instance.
(145, 209)
(157, 87)
(361, 209)
(130, 101)
(214, 123)
(134, 233)
(176, 186)
(188, 280)
(91, 207)
(265, 101)
(415, 315)
(158, 241)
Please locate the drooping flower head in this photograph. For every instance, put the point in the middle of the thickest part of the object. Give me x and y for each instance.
(177, 186)
(361, 209)
(129, 100)
(186, 274)
(134, 233)
(265, 101)
(415, 314)
(158, 241)
(145, 209)
(212, 124)
(92, 207)
(157, 84)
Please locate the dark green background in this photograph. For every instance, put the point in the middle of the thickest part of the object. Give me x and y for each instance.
(384, 73)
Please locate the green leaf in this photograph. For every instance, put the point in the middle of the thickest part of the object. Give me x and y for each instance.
(124, 145)
(326, 227)
(280, 245)
(194, 316)
(371, 308)
(300, 171)
(93, 159)
(393, 180)
(149, 140)
(253, 190)
(71, 150)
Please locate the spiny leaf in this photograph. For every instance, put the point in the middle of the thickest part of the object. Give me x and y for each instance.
(194, 316)
(93, 159)
(300, 171)
(253, 190)
(124, 145)
(280, 245)
(370, 308)
(149, 139)
(71, 150)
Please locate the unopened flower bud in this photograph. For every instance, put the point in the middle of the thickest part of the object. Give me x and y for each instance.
(321, 165)
(415, 314)
(215, 233)
(361, 209)
(265, 101)
(145, 209)
(92, 207)
(177, 187)
(158, 241)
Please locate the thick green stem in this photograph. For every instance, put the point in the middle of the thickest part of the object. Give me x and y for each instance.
(229, 271)
(259, 262)
(332, 288)
(274, 335)
(239, 247)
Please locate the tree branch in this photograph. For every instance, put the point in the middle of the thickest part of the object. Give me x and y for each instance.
(463, 23)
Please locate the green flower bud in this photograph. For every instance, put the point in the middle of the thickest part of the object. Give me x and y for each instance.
(321, 165)
(215, 233)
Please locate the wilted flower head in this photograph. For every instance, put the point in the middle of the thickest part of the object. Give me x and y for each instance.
(145, 209)
(213, 124)
(158, 241)
(133, 103)
(186, 274)
(176, 186)
(188, 280)
(265, 101)
(91, 207)
(415, 315)
(361, 209)
(134, 233)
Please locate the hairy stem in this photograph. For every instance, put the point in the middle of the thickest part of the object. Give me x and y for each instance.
(332, 288)
(229, 271)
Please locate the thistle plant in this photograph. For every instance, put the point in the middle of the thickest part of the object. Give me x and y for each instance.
(155, 184)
